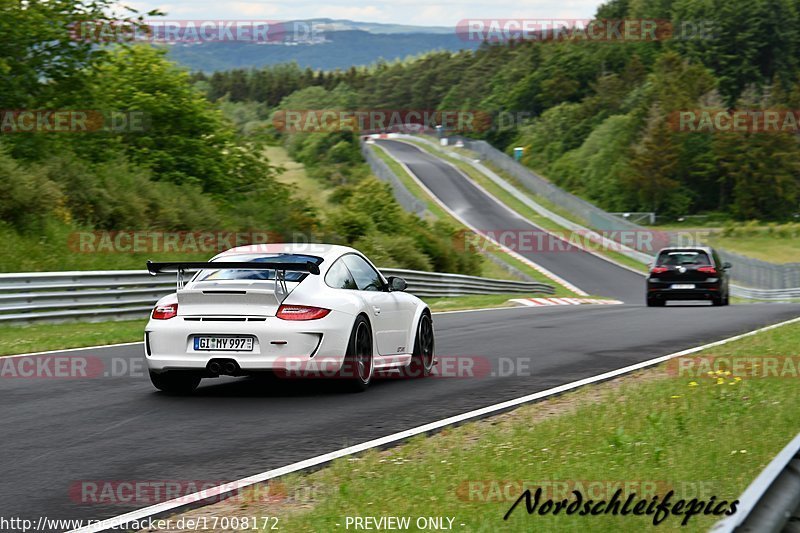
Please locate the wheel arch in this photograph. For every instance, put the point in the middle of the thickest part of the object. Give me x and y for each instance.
(371, 326)
(413, 329)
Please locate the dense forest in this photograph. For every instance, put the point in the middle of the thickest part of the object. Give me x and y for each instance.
(184, 167)
(600, 115)
(597, 118)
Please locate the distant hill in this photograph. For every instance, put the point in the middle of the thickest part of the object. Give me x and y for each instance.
(340, 44)
(374, 27)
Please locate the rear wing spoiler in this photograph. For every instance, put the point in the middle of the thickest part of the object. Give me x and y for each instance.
(280, 268)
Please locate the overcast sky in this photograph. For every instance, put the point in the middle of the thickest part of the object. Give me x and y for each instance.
(417, 12)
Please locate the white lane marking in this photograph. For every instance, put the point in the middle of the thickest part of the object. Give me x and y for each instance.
(214, 492)
(73, 349)
(502, 183)
(538, 302)
(558, 279)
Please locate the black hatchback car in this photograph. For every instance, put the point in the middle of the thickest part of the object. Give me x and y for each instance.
(688, 274)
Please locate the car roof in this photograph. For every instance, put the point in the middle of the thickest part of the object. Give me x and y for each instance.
(706, 249)
(325, 251)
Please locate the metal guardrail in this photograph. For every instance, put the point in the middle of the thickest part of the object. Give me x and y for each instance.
(749, 271)
(762, 274)
(379, 168)
(100, 295)
(772, 501)
(765, 294)
(754, 279)
(435, 285)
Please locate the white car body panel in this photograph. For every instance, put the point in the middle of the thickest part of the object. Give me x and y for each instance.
(248, 308)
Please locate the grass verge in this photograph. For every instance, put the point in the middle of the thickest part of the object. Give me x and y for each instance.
(294, 174)
(477, 301)
(44, 337)
(774, 243)
(765, 246)
(520, 207)
(58, 246)
(16, 339)
(649, 432)
(436, 210)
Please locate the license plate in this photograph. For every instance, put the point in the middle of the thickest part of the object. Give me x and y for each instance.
(224, 344)
(683, 285)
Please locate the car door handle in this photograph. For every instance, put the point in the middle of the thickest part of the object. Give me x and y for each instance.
(376, 309)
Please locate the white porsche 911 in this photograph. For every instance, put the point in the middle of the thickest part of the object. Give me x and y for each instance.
(299, 310)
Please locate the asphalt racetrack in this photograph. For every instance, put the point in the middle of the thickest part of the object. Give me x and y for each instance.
(61, 434)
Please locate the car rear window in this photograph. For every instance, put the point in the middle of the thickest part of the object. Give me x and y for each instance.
(264, 275)
(683, 257)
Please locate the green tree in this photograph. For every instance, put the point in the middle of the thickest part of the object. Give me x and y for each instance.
(760, 173)
(653, 169)
(47, 47)
(182, 138)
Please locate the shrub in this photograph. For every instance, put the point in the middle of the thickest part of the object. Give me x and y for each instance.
(28, 195)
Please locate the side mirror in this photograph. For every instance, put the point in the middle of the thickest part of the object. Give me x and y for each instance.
(726, 265)
(396, 284)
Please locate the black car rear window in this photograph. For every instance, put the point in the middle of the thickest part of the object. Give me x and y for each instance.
(683, 257)
(217, 275)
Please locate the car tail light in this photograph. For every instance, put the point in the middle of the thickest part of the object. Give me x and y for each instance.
(165, 312)
(707, 270)
(301, 312)
(658, 270)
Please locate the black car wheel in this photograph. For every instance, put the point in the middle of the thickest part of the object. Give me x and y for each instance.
(357, 369)
(423, 357)
(654, 302)
(719, 300)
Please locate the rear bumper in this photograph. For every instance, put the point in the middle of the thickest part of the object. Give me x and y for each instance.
(662, 290)
(277, 344)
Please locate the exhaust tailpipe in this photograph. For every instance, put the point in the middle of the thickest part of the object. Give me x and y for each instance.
(230, 368)
(215, 368)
